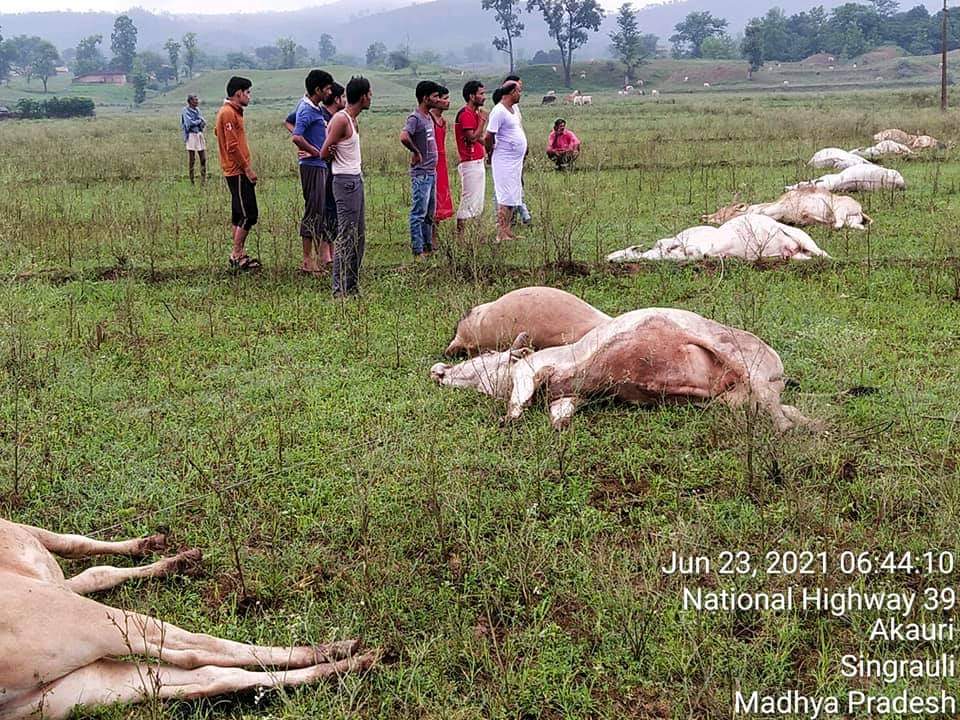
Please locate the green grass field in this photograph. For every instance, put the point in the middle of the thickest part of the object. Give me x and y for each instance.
(507, 572)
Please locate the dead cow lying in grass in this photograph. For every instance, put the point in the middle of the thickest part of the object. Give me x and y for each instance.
(59, 650)
(858, 178)
(803, 206)
(548, 316)
(749, 237)
(914, 142)
(652, 356)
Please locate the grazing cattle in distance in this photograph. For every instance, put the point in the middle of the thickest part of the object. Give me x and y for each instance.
(654, 92)
(706, 84)
(550, 97)
(859, 177)
(804, 206)
(60, 651)
(572, 97)
(650, 357)
(749, 237)
(883, 148)
(549, 317)
(835, 158)
(583, 100)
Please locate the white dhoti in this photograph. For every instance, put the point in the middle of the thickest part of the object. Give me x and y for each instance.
(507, 165)
(473, 181)
(196, 142)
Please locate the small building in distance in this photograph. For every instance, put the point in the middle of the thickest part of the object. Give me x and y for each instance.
(5, 113)
(101, 78)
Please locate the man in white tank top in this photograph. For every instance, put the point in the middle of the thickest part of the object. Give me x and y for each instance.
(342, 147)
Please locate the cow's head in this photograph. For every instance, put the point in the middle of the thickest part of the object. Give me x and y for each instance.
(488, 373)
(725, 213)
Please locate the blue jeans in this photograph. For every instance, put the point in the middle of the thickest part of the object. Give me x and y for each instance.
(424, 192)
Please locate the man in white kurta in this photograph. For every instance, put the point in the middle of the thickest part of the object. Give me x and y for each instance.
(506, 145)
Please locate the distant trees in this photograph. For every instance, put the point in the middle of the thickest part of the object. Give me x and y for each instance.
(507, 14)
(89, 58)
(567, 23)
(693, 30)
(288, 52)
(139, 79)
(238, 60)
(720, 47)
(4, 62)
(752, 47)
(376, 54)
(189, 42)
(325, 48)
(123, 43)
(399, 59)
(628, 44)
(848, 30)
(43, 61)
(173, 53)
(55, 108)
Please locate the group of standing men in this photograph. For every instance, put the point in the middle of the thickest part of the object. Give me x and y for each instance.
(325, 131)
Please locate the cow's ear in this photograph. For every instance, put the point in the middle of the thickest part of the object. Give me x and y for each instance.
(521, 341)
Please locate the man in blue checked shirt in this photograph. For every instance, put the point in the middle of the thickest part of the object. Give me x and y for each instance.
(192, 124)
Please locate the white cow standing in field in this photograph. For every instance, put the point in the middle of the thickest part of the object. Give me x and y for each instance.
(583, 100)
(803, 206)
(857, 178)
(749, 237)
(835, 158)
(651, 356)
(60, 651)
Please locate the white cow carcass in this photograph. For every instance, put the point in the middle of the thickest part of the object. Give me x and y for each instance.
(882, 149)
(649, 357)
(749, 237)
(835, 158)
(864, 177)
(894, 134)
(803, 206)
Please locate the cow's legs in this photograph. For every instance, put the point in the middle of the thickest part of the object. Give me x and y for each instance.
(109, 682)
(144, 635)
(100, 578)
(78, 546)
(561, 410)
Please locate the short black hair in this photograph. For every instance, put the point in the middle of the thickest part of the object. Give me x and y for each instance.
(470, 88)
(443, 91)
(557, 122)
(511, 78)
(317, 79)
(497, 95)
(426, 88)
(357, 88)
(336, 91)
(236, 83)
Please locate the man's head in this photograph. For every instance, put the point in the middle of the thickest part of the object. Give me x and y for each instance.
(336, 100)
(443, 99)
(359, 92)
(238, 89)
(193, 100)
(428, 93)
(497, 95)
(511, 90)
(559, 125)
(513, 78)
(318, 84)
(474, 93)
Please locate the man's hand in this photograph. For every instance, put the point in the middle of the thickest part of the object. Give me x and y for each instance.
(415, 159)
(251, 175)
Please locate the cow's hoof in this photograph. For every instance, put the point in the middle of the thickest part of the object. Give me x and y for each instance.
(153, 544)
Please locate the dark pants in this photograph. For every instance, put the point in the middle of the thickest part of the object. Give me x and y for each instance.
(351, 233)
(313, 181)
(243, 202)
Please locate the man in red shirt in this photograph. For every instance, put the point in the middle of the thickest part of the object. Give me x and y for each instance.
(469, 127)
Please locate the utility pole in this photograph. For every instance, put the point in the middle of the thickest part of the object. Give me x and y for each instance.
(943, 59)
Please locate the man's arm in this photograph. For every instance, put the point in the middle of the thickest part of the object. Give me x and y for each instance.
(475, 134)
(488, 142)
(407, 142)
(336, 131)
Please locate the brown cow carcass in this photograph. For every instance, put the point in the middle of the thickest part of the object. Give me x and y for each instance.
(800, 207)
(549, 317)
(646, 356)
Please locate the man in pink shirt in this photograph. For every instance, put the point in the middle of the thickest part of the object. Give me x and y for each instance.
(563, 147)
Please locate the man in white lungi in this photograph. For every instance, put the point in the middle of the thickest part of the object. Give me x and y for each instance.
(506, 145)
(192, 124)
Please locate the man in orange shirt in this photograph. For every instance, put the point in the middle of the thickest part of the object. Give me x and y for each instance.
(237, 170)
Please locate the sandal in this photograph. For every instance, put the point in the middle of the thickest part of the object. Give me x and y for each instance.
(245, 263)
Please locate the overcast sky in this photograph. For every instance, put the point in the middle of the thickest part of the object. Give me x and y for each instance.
(192, 6)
